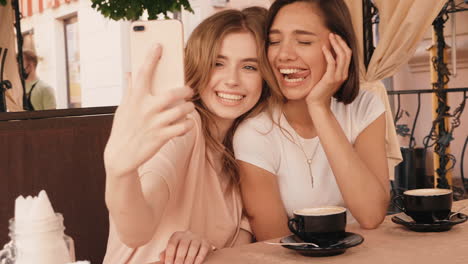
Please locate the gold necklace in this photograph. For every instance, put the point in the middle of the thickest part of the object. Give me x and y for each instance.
(308, 160)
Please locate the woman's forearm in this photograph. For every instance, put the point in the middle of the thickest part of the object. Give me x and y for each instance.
(364, 192)
(134, 219)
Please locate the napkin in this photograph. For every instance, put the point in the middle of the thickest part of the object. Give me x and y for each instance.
(42, 239)
(33, 208)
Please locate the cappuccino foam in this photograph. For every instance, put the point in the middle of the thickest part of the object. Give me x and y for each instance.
(428, 192)
(323, 210)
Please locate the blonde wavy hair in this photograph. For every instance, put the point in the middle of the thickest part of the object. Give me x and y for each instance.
(200, 57)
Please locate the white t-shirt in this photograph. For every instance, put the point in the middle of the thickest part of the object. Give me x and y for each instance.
(261, 143)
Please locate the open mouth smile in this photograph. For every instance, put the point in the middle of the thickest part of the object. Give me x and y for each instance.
(294, 75)
(228, 97)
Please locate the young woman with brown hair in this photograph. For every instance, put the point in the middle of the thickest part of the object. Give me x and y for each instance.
(170, 166)
(322, 142)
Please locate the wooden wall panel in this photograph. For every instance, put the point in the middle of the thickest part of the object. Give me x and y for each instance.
(63, 156)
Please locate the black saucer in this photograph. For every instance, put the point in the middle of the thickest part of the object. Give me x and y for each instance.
(438, 226)
(334, 247)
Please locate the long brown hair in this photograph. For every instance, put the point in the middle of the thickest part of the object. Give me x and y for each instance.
(338, 20)
(200, 56)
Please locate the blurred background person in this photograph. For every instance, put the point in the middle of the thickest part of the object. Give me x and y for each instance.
(40, 95)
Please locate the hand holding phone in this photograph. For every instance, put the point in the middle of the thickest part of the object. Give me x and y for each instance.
(151, 113)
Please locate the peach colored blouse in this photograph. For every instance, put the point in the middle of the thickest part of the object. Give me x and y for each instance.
(196, 200)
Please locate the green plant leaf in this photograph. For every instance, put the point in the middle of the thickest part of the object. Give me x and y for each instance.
(133, 9)
(402, 130)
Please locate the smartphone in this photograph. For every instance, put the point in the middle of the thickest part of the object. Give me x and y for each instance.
(144, 36)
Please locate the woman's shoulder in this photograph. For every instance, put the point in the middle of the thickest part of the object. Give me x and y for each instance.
(365, 99)
(366, 96)
(260, 123)
(189, 139)
(357, 115)
(196, 133)
(195, 116)
(177, 148)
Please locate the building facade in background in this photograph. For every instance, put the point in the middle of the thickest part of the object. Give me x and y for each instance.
(84, 56)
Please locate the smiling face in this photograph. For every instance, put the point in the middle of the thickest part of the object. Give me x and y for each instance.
(235, 85)
(295, 45)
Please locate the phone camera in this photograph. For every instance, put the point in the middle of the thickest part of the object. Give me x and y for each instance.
(138, 28)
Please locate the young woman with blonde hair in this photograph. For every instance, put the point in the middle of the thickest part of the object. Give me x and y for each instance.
(322, 142)
(172, 180)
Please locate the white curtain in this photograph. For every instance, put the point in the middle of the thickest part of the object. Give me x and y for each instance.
(402, 26)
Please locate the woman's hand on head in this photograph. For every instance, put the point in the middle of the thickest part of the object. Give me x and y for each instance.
(186, 248)
(144, 122)
(335, 75)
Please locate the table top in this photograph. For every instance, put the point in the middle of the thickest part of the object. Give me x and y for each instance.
(390, 243)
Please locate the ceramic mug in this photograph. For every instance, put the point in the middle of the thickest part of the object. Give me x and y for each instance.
(425, 205)
(318, 224)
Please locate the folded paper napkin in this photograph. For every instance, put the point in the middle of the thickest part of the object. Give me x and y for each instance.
(33, 208)
(42, 238)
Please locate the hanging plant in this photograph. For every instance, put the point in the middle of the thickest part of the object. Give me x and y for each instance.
(133, 9)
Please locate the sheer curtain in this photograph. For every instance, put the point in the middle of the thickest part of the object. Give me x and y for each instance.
(10, 71)
(401, 28)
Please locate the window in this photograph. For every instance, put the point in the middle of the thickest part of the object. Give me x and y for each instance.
(72, 51)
